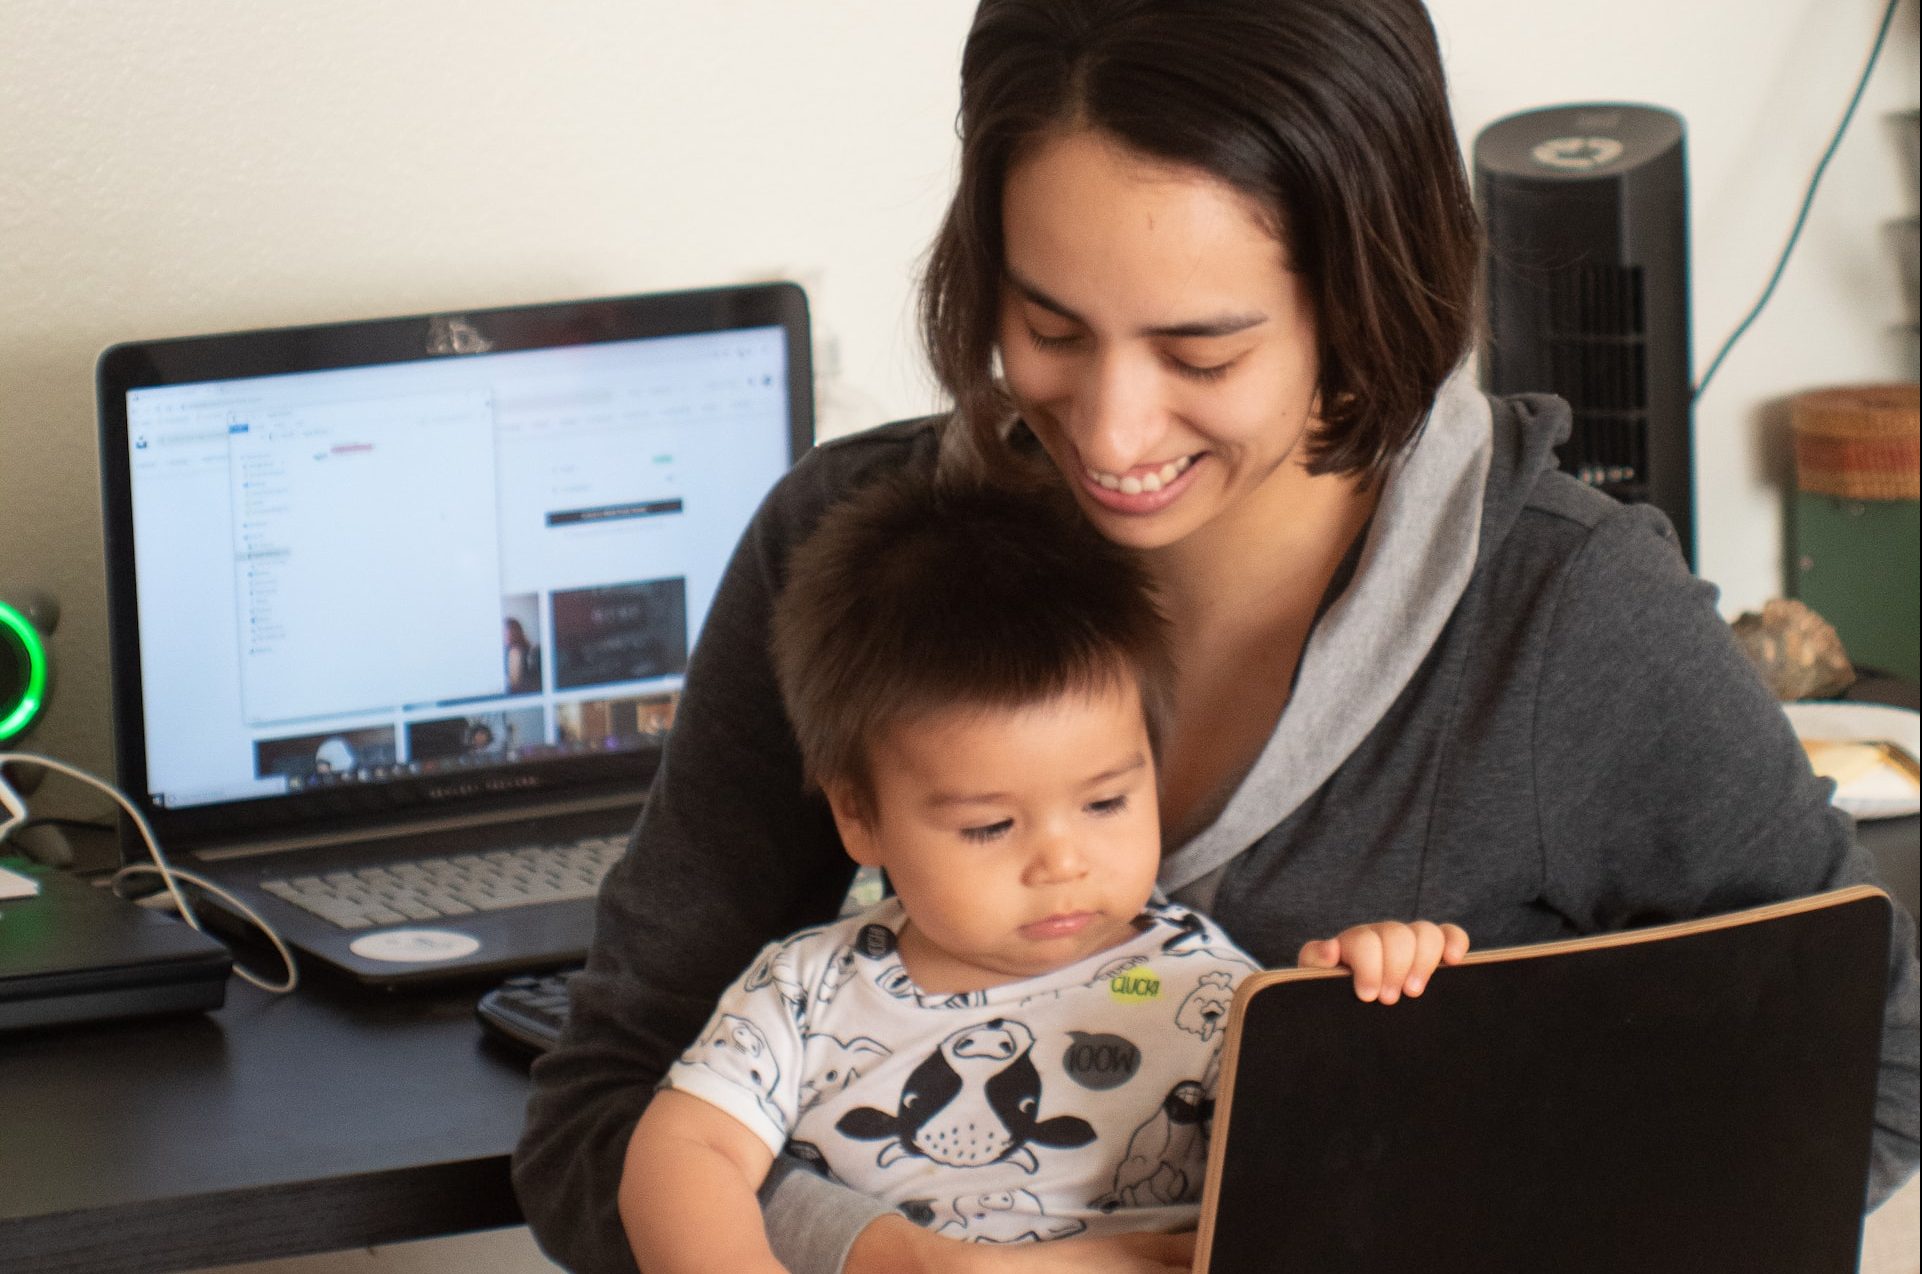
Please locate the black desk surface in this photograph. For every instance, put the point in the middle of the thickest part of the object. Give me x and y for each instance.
(274, 1127)
(324, 1120)
(1893, 842)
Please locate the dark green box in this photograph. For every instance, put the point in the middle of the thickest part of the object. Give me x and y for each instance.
(1857, 564)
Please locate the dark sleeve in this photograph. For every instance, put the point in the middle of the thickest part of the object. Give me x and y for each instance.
(1670, 784)
(729, 855)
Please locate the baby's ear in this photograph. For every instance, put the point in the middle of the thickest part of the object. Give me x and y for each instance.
(851, 819)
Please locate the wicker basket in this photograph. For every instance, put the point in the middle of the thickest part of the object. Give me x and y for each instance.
(1859, 442)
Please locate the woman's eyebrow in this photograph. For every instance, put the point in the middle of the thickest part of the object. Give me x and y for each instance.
(1226, 325)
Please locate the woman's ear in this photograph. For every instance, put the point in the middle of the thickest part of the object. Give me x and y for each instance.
(851, 819)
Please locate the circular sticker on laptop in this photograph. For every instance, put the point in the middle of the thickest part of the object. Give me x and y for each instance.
(414, 946)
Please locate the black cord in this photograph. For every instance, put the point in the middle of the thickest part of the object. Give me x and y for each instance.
(51, 820)
(1808, 201)
(57, 854)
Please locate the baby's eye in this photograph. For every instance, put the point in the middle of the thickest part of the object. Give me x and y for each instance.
(1112, 805)
(988, 832)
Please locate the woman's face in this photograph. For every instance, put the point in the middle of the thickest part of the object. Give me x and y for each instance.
(1154, 339)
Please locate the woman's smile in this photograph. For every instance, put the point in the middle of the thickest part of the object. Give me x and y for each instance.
(1144, 488)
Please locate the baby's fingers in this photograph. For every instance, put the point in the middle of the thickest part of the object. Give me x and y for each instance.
(1398, 955)
(1361, 951)
(1434, 945)
(1324, 953)
(1429, 943)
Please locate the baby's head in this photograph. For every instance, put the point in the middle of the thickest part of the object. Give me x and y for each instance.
(977, 680)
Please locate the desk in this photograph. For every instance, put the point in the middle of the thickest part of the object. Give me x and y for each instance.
(286, 1125)
(275, 1127)
(1893, 842)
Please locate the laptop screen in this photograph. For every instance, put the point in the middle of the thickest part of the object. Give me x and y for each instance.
(348, 583)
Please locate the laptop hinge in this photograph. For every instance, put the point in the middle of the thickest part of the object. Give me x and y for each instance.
(417, 827)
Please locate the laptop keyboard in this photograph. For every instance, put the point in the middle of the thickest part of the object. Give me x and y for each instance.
(456, 885)
(530, 1010)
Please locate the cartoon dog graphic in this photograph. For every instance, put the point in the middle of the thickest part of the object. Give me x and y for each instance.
(776, 969)
(736, 1048)
(894, 979)
(1188, 928)
(1161, 1152)
(831, 1064)
(1206, 1007)
(1005, 1216)
(972, 1102)
(839, 971)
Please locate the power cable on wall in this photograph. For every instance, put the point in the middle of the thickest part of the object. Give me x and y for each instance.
(1808, 201)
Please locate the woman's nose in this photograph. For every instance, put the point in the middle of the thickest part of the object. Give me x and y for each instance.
(1116, 419)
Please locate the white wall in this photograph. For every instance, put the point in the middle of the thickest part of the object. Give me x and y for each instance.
(204, 165)
(1762, 87)
(201, 165)
(210, 164)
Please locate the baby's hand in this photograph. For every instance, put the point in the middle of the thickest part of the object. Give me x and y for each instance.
(1390, 959)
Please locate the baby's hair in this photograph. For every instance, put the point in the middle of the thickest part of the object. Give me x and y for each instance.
(913, 596)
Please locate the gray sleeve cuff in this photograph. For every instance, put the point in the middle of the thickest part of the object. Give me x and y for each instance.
(811, 1221)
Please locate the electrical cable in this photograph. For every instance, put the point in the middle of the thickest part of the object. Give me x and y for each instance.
(170, 876)
(1808, 201)
(55, 820)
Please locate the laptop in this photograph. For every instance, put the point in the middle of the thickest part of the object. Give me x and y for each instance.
(399, 609)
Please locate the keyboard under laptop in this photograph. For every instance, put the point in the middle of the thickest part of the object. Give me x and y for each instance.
(454, 885)
(530, 1011)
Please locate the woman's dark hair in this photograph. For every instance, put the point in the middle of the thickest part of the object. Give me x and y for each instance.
(915, 595)
(1330, 114)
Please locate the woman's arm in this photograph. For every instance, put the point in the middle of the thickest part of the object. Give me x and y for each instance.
(687, 1191)
(1669, 783)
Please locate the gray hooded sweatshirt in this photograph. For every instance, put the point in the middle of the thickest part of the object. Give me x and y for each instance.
(1517, 712)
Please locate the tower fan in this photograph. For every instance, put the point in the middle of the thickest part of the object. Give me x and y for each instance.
(1586, 208)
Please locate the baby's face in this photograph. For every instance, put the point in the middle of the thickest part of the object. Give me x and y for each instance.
(1019, 840)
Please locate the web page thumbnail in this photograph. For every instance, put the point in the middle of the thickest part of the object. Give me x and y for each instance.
(608, 723)
(620, 632)
(478, 737)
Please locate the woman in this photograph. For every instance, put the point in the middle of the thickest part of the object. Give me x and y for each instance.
(1225, 257)
(519, 658)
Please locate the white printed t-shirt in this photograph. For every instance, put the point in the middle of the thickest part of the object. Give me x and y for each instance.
(1074, 1102)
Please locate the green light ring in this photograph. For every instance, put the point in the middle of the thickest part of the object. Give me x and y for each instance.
(29, 706)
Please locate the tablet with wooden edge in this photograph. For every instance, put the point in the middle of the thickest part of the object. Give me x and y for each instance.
(1697, 1096)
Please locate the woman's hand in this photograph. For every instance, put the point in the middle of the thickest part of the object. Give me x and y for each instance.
(1390, 959)
(895, 1245)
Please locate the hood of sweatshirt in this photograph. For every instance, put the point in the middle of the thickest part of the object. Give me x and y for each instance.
(1454, 492)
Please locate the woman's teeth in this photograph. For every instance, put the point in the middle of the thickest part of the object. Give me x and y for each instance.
(1136, 483)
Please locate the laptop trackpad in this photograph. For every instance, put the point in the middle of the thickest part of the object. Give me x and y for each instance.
(414, 946)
